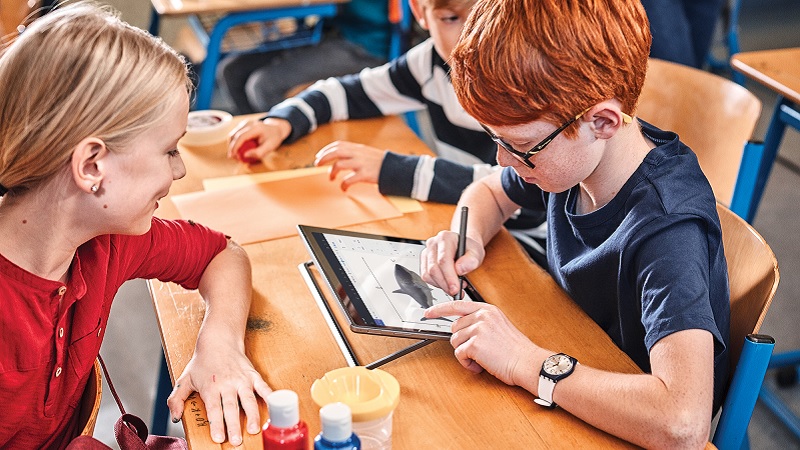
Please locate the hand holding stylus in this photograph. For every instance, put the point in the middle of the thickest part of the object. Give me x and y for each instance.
(449, 256)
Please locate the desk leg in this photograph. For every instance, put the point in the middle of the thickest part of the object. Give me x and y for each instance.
(784, 113)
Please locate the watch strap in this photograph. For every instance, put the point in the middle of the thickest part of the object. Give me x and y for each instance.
(546, 387)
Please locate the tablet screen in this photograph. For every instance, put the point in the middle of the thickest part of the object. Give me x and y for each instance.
(376, 280)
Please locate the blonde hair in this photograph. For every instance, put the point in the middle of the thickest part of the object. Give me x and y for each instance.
(76, 72)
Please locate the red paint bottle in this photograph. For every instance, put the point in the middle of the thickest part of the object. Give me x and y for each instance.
(284, 430)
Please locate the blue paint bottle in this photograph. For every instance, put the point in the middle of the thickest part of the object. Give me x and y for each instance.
(337, 429)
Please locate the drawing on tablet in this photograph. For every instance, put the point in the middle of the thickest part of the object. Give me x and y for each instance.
(412, 285)
(386, 273)
(376, 281)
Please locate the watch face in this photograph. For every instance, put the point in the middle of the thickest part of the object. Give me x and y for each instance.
(557, 364)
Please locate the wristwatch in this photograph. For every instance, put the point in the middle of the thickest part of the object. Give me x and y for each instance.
(555, 368)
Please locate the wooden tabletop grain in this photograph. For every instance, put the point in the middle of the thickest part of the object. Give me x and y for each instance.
(778, 69)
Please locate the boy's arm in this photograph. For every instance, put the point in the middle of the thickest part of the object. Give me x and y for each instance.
(427, 178)
(669, 408)
(392, 88)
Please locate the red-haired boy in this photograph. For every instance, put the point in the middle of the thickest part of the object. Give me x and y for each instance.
(633, 233)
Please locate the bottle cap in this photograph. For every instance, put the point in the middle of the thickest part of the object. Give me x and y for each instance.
(337, 422)
(284, 409)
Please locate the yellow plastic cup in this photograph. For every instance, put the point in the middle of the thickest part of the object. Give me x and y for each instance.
(372, 396)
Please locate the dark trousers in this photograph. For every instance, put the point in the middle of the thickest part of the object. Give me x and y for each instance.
(258, 81)
(682, 29)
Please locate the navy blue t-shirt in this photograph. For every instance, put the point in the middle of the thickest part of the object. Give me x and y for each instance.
(650, 262)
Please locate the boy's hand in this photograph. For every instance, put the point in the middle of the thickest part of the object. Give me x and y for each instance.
(438, 265)
(364, 162)
(268, 134)
(484, 338)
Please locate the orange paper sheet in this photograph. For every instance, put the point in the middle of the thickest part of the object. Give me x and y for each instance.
(272, 210)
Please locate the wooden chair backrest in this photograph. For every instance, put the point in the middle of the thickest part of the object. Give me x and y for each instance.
(90, 401)
(752, 274)
(711, 114)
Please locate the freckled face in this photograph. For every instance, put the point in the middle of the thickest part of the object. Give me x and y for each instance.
(563, 164)
(139, 176)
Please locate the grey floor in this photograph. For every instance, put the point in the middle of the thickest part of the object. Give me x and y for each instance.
(132, 345)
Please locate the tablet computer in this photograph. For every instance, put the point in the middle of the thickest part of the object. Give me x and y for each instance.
(375, 280)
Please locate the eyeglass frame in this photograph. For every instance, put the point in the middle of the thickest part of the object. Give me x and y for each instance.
(526, 156)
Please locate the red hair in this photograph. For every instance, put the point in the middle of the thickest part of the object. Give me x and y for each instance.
(519, 61)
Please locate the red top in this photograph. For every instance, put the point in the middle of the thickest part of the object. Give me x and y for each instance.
(50, 333)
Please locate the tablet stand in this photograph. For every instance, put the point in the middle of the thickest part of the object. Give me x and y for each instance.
(339, 335)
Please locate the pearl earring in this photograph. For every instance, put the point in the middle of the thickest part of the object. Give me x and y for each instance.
(94, 188)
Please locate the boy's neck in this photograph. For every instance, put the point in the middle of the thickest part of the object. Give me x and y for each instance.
(622, 156)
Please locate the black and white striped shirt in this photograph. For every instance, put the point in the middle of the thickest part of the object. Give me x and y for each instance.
(415, 81)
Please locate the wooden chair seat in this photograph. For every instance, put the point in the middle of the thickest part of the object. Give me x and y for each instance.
(753, 277)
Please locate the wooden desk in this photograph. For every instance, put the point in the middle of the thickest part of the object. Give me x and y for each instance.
(235, 12)
(442, 405)
(779, 70)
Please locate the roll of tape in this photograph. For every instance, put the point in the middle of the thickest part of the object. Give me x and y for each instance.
(207, 127)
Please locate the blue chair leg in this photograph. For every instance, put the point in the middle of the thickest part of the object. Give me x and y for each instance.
(781, 411)
(787, 417)
(160, 410)
(742, 393)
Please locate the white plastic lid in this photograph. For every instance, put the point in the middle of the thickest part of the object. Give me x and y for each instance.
(284, 409)
(337, 422)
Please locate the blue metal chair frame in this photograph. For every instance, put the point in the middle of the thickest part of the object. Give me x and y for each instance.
(303, 36)
(775, 404)
(399, 45)
(731, 433)
(758, 159)
(213, 41)
(731, 41)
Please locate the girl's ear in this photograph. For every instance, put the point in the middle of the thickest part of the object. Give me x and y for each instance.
(605, 119)
(88, 164)
(419, 13)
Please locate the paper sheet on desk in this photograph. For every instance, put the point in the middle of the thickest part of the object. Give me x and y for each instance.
(271, 210)
(403, 204)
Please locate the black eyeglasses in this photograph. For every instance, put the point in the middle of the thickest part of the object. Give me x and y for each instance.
(526, 156)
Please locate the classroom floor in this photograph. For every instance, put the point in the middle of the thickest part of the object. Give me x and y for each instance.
(132, 347)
